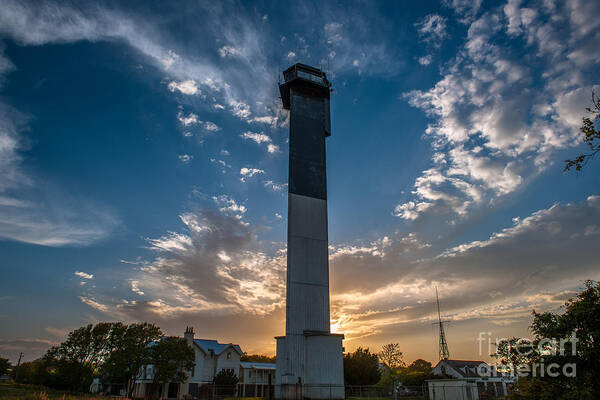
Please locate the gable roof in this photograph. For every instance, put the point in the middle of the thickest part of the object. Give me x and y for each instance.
(216, 347)
(257, 365)
(465, 368)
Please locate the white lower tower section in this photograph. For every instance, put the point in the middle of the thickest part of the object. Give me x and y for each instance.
(309, 357)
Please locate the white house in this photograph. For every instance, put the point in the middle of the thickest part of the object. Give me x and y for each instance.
(211, 358)
(256, 378)
(470, 379)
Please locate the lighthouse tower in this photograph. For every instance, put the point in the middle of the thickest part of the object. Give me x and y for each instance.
(309, 356)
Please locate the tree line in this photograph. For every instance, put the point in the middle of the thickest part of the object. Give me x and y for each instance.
(385, 369)
(113, 351)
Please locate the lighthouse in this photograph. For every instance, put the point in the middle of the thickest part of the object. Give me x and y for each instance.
(309, 356)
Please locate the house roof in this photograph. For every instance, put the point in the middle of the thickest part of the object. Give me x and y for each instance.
(257, 365)
(208, 345)
(466, 368)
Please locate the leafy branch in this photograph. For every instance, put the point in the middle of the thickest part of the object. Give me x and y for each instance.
(591, 136)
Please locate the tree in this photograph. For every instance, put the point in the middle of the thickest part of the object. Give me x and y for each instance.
(64, 374)
(4, 366)
(258, 358)
(591, 136)
(581, 317)
(29, 372)
(420, 365)
(391, 356)
(389, 379)
(413, 378)
(72, 364)
(56, 374)
(361, 367)
(226, 377)
(516, 351)
(172, 358)
(130, 351)
(88, 345)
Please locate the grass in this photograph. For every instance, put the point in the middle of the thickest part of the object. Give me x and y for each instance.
(19, 391)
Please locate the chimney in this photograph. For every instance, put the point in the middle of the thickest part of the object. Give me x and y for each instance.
(189, 334)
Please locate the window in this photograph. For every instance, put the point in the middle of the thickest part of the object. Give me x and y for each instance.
(193, 389)
(229, 356)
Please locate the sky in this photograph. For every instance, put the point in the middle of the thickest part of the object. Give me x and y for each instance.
(144, 161)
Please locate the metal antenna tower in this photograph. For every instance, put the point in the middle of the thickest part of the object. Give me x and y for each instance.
(444, 353)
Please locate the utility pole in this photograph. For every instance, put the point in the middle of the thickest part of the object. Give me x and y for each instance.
(17, 367)
(443, 350)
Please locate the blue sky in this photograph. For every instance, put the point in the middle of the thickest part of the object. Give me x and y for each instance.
(143, 166)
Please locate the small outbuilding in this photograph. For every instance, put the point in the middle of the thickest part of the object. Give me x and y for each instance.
(468, 380)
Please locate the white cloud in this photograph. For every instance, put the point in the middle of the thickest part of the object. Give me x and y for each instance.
(210, 269)
(11, 123)
(559, 221)
(83, 275)
(425, 60)
(188, 120)
(186, 87)
(12, 202)
(192, 119)
(240, 109)
(432, 29)
(55, 219)
(267, 119)
(220, 162)
(507, 275)
(276, 187)
(355, 45)
(135, 287)
(411, 210)
(229, 51)
(30, 23)
(492, 130)
(210, 126)
(94, 303)
(261, 138)
(228, 204)
(249, 173)
(257, 137)
(333, 32)
(291, 55)
(569, 106)
(168, 59)
(466, 10)
(185, 158)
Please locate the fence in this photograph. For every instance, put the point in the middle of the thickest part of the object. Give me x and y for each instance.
(210, 391)
(443, 389)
